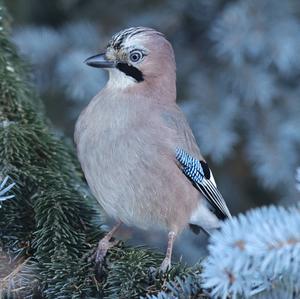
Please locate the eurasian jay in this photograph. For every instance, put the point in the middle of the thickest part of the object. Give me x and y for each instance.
(135, 146)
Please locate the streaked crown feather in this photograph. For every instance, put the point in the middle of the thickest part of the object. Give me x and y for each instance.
(119, 38)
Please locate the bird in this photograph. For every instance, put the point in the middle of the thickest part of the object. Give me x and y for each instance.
(136, 148)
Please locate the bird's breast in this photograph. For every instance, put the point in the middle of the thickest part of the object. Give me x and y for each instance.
(127, 159)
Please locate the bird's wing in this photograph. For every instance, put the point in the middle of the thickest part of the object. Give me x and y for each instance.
(174, 119)
(191, 161)
(198, 172)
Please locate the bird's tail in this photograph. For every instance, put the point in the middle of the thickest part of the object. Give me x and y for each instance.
(196, 229)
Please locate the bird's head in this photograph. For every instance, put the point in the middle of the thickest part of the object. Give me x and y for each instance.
(137, 56)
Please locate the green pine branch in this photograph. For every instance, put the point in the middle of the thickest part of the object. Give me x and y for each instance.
(50, 229)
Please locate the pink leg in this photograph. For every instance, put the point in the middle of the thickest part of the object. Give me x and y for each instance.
(166, 264)
(105, 244)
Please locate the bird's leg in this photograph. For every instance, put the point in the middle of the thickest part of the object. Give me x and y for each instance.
(105, 244)
(166, 264)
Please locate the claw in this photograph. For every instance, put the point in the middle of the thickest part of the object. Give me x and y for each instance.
(103, 246)
(165, 265)
(99, 256)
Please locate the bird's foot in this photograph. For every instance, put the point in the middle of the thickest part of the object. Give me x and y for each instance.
(103, 246)
(100, 253)
(165, 265)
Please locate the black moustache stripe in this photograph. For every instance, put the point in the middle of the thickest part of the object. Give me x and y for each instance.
(131, 71)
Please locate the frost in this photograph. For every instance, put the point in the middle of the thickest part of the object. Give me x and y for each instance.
(10, 68)
(247, 256)
(6, 123)
(4, 189)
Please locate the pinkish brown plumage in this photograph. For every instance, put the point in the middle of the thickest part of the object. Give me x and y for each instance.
(128, 135)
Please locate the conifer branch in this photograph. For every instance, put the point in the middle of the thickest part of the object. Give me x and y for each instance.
(4, 189)
(256, 252)
(52, 222)
(52, 225)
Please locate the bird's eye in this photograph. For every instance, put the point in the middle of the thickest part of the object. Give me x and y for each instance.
(136, 56)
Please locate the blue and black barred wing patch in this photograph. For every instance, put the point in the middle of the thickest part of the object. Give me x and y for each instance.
(201, 176)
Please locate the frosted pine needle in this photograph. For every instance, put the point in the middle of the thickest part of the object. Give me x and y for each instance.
(4, 189)
(254, 252)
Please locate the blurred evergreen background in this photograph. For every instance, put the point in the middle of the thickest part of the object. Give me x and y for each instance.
(238, 67)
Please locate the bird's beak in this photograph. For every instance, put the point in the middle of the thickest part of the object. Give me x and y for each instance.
(99, 61)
